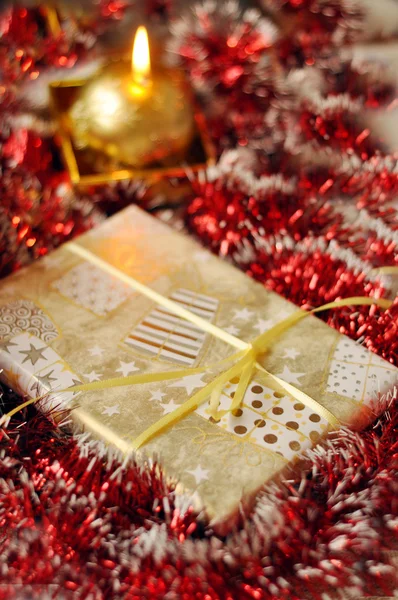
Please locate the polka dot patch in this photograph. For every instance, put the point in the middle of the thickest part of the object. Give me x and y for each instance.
(358, 374)
(315, 418)
(270, 420)
(240, 429)
(295, 446)
(257, 389)
(257, 404)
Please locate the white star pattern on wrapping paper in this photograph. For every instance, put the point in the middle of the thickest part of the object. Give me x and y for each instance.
(96, 351)
(200, 474)
(126, 368)
(263, 325)
(231, 329)
(243, 313)
(168, 408)
(93, 376)
(190, 383)
(111, 410)
(289, 376)
(158, 395)
(291, 353)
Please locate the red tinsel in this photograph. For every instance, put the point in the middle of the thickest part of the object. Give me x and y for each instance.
(324, 528)
(91, 524)
(224, 48)
(227, 53)
(114, 9)
(314, 26)
(38, 208)
(232, 209)
(27, 46)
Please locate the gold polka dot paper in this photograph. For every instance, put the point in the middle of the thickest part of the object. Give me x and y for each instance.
(270, 419)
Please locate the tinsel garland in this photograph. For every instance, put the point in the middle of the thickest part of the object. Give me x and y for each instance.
(302, 199)
(80, 518)
(39, 209)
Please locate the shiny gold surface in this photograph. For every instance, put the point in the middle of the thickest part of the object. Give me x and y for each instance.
(88, 167)
(137, 125)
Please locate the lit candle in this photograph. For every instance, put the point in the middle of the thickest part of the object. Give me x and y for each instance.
(141, 59)
(139, 117)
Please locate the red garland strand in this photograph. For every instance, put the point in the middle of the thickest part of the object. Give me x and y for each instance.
(78, 518)
(224, 48)
(27, 47)
(308, 534)
(38, 208)
(314, 26)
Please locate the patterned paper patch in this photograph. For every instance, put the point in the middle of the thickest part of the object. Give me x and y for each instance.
(358, 373)
(270, 419)
(55, 377)
(93, 289)
(33, 368)
(162, 334)
(29, 351)
(24, 316)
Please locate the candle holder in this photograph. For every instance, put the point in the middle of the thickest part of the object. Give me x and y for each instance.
(89, 166)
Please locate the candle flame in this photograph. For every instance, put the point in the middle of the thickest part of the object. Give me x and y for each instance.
(141, 60)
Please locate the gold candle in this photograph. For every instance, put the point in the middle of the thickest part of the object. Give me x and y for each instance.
(139, 117)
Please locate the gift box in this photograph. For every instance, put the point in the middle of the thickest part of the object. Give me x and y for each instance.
(67, 321)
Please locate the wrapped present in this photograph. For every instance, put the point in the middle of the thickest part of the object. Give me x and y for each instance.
(135, 302)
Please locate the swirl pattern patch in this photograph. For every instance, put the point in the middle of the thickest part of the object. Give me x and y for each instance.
(24, 316)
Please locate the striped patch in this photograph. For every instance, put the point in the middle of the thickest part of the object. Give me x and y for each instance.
(164, 335)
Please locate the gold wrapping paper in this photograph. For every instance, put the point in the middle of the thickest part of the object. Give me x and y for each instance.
(64, 321)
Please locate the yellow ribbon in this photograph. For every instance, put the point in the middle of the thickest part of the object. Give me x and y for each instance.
(387, 270)
(244, 362)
